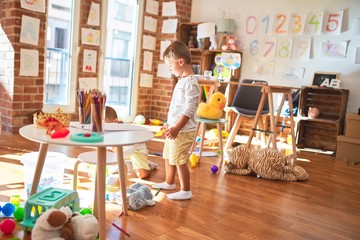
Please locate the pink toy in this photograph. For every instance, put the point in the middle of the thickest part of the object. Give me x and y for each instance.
(7, 226)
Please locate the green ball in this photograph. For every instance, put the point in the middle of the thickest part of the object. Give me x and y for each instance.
(19, 214)
(85, 211)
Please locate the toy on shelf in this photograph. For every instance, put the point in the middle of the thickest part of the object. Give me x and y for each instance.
(156, 121)
(47, 199)
(231, 44)
(213, 109)
(213, 43)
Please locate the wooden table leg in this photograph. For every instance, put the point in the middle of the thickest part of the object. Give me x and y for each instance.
(101, 171)
(121, 169)
(39, 167)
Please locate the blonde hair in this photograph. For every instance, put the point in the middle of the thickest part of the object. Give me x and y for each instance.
(177, 50)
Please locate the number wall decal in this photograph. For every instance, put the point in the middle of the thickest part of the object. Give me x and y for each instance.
(251, 25)
(254, 47)
(268, 49)
(301, 49)
(281, 24)
(296, 24)
(334, 22)
(284, 48)
(314, 23)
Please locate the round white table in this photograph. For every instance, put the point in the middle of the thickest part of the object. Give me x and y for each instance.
(112, 138)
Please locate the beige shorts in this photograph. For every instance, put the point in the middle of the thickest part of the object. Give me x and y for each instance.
(176, 151)
(139, 160)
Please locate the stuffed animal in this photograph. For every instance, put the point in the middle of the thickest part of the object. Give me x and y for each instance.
(60, 224)
(231, 44)
(213, 109)
(139, 196)
(213, 43)
(266, 163)
(49, 224)
(313, 112)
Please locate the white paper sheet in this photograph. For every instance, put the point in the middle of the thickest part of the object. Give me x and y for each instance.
(94, 14)
(148, 42)
(169, 26)
(87, 83)
(152, 7)
(29, 62)
(148, 60)
(146, 80)
(29, 30)
(163, 46)
(150, 24)
(169, 9)
(163, 71)
(89, 61)
(37, 6)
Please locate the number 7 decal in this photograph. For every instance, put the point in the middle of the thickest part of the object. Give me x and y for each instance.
(268, 49)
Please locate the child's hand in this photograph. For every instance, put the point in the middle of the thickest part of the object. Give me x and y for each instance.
(172, 133)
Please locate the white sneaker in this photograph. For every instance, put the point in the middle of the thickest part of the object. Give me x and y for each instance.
(164, 185)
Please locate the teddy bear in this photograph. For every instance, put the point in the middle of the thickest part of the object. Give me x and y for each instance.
(139, 196)
(60, 224)
(267, 163)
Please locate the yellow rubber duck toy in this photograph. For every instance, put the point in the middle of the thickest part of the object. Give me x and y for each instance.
(213, 109)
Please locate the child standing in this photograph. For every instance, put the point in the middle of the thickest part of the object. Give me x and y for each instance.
(181, 124)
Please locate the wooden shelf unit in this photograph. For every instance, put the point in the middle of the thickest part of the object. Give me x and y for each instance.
(321, 132)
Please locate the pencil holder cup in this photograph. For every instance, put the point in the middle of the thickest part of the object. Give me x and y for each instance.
(85, 116)
(97, 118)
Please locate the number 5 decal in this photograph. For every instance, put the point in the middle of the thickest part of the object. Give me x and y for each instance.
(334, 21)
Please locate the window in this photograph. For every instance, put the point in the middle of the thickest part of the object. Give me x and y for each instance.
(124, 12)
(120, 50)
(61, 62)
(116, 68)
(60, 38)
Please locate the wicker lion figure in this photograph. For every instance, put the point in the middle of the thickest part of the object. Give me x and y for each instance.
(266, 163)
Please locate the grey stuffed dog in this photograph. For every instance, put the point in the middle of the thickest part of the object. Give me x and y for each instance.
(139, 196)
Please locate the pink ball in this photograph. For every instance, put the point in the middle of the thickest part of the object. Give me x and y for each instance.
(7, 226)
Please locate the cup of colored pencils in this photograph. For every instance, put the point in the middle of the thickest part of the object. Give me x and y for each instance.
(98, 101)
(84, 102)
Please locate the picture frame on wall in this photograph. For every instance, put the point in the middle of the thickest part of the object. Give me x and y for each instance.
(320, 77)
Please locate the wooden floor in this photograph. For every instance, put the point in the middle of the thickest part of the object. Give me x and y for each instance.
(224, 206)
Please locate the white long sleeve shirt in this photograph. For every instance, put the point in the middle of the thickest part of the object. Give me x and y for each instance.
(184, 101)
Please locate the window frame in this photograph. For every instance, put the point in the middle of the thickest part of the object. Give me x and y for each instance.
(74, 43)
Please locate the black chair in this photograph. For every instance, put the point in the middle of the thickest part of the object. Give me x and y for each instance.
(245, 105)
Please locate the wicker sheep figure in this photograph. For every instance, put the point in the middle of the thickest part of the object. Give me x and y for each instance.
(266, 163)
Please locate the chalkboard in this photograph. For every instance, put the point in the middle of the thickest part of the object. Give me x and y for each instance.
(320, 77)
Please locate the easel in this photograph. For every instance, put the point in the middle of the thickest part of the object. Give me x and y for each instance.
(267, 92)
